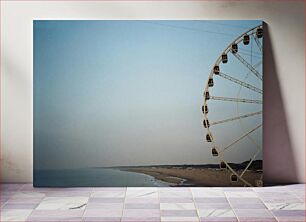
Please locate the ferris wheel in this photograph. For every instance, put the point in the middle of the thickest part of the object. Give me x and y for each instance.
(232, 108)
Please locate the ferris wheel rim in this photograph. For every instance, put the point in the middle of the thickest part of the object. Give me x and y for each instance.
(239, 39)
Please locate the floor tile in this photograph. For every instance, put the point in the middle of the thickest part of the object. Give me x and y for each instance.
(179, 219)
(25, 200)
(56, 213)
(254, 213)
(101, 219)
(296, 186)
(20, 206)
(280, 200)
(219, 219)
(110, 194)
(14, 214)
(212, 205)
(141, 192)
(54, 219)
(207, 192)
(20, 202)
(289, 213)
(108, 189)
(140, 219)
(104, 205)
(103, 212)
(177, 206)
(245, 200)
(179, 213)
(210, 200)
(291, 219)
(68, 193)
(274, 189)
(62, 203)
(176, 200)
(24, 194)
(3, 199)
(245, 189)
(10, 187)
(272, 197)
(256, 219)
(142, 200)
(105, 200)
(299, 194)
(175, 192)
(216, 213)
(285, 206)
(142, 213)
(174, 189)
(248, 206)
(64, 189)
(230, 194)
(141, 206)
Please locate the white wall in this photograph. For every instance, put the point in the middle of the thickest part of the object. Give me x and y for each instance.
(284, 85)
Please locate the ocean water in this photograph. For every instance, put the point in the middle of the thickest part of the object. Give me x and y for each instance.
(91, 177)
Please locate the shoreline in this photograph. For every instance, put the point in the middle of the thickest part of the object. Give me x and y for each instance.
(171, 180)
(179, 176)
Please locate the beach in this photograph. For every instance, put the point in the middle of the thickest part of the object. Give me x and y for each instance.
(189, 176)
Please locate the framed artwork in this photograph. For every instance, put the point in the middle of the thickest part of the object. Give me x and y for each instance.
(148, 103)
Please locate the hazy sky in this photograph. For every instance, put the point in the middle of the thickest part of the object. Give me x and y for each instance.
(109, 93)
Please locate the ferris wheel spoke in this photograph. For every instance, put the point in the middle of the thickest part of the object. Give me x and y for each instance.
(240, 138)
(229, 99)
(248, 65)
(251, 161)
(251, 52)
(237, 81)
(235, 118)
(258, 43)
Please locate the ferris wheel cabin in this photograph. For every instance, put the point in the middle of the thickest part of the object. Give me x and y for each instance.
(206, 123)
(214, 152)
(222, 165)
(204, 109)
(216, 70)
(234, 178)
(224, 58)
(246, 39)
(207, 95)
(234, 48)
(210, 82)
(208, 137)
(259, 32)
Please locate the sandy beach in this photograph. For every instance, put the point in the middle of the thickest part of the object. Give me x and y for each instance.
(188, 176)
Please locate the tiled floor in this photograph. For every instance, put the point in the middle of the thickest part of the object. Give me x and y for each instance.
(22, 202)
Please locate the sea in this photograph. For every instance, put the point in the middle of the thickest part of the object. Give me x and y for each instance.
(94, 177)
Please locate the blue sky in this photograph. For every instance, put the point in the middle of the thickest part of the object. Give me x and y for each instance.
(109, 93)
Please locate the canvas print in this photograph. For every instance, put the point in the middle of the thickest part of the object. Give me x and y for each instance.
(148, 103)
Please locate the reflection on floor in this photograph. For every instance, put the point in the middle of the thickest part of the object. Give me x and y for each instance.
(22, 202)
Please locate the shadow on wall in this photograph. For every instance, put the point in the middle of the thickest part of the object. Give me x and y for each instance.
(279, 164)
